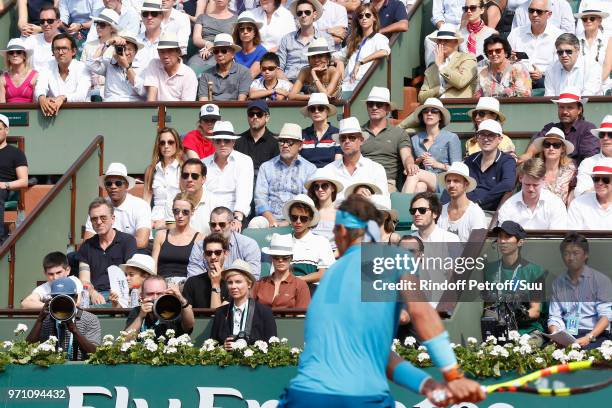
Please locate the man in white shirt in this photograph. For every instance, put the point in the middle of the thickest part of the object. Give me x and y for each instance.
(132, 214)
(64, 80)
(176, 22)
(604, 132)
(281, 23)
(561, 17)
(129, 21)
(534, 207)
(425, 209)
(40, 44)
(151, 14)
(537, 40)
(593, 210)
(334, 21)
(353, 167)
(571, 69)
(230, 173)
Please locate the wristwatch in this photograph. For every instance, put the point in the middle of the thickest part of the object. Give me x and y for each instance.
(216, 290)
(186, 305)
(592, 338)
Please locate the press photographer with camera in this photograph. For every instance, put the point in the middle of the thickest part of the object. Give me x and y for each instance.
(241, 318)
(161, 308)
(78, 331)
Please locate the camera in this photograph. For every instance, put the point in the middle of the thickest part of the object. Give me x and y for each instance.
(167, 308)
(243, 336)
(119, 49)
(62, 308)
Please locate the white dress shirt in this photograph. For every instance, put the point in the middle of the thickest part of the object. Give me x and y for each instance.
(541, 49)
(146, 54)
(334, 15)
(42, 54)
(281, 23)
(549, 213)
(586, 213)
(584, 75)
(562, 16)
(74, 88)
(447, 11)
(232, 185)
(133, 214)
(179, 24)
(165, 187)
(584, 181)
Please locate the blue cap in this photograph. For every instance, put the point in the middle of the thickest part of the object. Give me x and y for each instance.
(63, 286)
(511, 228)
(259, 104)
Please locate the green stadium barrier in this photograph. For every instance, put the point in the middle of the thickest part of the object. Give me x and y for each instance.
(8, 25)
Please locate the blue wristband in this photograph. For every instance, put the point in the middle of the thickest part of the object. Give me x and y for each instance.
(442, 354)
(409, 376)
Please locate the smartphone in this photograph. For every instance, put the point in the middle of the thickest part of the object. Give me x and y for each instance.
(520, 55)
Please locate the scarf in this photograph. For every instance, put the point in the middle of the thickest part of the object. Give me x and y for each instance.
(473, 29)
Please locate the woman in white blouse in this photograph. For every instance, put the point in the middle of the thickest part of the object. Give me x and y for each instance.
(277, 21)
(364, 46)
(161, 181)
(594, 43)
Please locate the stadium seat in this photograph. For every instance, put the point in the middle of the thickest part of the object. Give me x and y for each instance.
(12, 201)
(264, 235)
(401, 203)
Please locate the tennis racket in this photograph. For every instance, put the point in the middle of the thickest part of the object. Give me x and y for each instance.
(603, 379)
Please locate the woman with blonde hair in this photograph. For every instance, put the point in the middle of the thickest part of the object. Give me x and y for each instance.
(18, 82)
(161, 180)
(561, 171)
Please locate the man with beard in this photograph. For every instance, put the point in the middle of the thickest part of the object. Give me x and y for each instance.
(257, 141)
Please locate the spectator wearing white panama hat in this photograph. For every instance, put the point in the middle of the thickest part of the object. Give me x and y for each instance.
(554, 150)
(18, 63)
(151, 17)
(319, 147)
(487, 108)
(323, 189)
(604, 133)
(593, 210)
(319, 75)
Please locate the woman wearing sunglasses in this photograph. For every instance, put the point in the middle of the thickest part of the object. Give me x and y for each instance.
(474, 28)
(161, 180)
(18, 82)
(594, 43)
(246, 34)
(434, 148)
(553, 149)
(171, 248)
(364, 46)
(323, 189)
(319, 75)
(319, 147)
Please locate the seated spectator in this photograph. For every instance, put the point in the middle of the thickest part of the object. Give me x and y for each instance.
(196, 143)
(281, 289)
(167, 78)
(120, 80)
(277, 22)
(500, 77)
(388, 221)
(323, 190)
(172, 247)
(364, 46)
(534, 207)
(227, 80)
(577, 130)
(257, 141)
(133, 214)
(494, 170)
(561, 15)
(572, 70)
(319, 75)
(40, 44)
(129, 20)
(434, 148)
(353, 166)
(537, 40)
(446, 11)
(604, 133)
(55, 266)
(239, 246)
(594, 43)
(107, 247)
(13, 171)
(293, 48)
(138, 268)
(393, 16)
(593, 210)
(488, 108)
(453, 73)
(425, 209)
(270, 85)
(319, 147)
(206, 290)
(177, 23)
(334, 21)
(151, 14)
(589, 319)
(246, 34)
(230, 173)
(78, 336)
(553, 149)
(461, 215)
(64, 80)
(18, 81)
(161, 181)
(280, 179)
(76, 16)
(606, 21)
(142, 318)
(232, 321)
(27, 17)
(475, 30)
(207, 25)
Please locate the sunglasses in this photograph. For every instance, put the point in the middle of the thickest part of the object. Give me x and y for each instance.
(216, 252)
(299, 13)
(271, 69)
(102, 24)
(604, 135)
(252, 114)
(221, 225)
(321, 186)
(589, 18)
(486, 135)
(555, 145)
(245, 29)
(421, 210)
(469, 8)
(287, 142)
(184, 211)
(61, 49)
(537, 11)
(597, 179)
(146, 14)
(317, 108)
(303, 218)
(495, 51)
(15, 52)
(351, 138)
(167, 142)
(431, 110)
(362, 15)
(220, 50)
(102, 218)
(285, 258)
(222, 141)
(561, 52)
(376, 105)
(48, 21)
(480, 114)
(118, 183)
(194, 176)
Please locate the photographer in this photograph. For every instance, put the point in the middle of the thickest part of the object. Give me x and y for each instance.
(78, 336)
(122, 84)
(242, 318)
(143, 317)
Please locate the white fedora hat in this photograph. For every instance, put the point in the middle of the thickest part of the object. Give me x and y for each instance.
(318, 98)
(347, 126)
(437, 104)
(490, 125)
(591, 12)
(554, 133)
(167, 41)
(290, 131)
(210, 110)
(117, 169)
(130, 37)
(315, 4)
(490, 104)
(461, 169)
(318, 46)
(223, 129)
(603, 166)
(152, 5)
(570, 95)
(446, 32)
(380, 94)
(323, 175)
(604, 126)
(225, 40)
(142, 262)
(5, 120)
(351, 188)
(246, 17)
(281, 245)
(16, 44)
(242, 267)
(108, 16)
(304, 199)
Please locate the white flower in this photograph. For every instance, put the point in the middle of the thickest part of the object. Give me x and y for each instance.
(295, 350)
(499, 351)
(52, 340)
(509, 345)
(7, 344)
(524, 339)
(274, 339)
(173, 342)
(576, 346)
(575, 355)
(124, 333)
(516, 349)
(150, 345)
(170, 350)
(162, 339)
(21, 328)
(606, 353)
(147, 334)
(127, 345)
(108, 337)
(184, 340)
(454, 346)
(209, 345)
(409, 341)
(513, 335)
(393, 348)
(525, 349)
(248, 353)
(472, 340)
(262, 346)
(559, 355)
(539, 360)
(396, 342)
(422, 348)
(422, 357)
(501, 338)
(239, 344)
(606, 344)
(170, 332)
(592, 358)
(284, 340)
(479, 353)
(491, 339)
(107, 343)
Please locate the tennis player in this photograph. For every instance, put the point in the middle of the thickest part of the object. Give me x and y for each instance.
(348, 342)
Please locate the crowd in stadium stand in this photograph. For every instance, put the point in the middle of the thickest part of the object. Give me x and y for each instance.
(185, 235)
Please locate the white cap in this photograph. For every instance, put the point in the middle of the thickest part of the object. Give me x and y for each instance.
(490, 125)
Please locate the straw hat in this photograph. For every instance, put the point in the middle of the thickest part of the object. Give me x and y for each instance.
(16, 44)
(5, 120)
(290, 131)
(604, 126)
(315, 4)
(223, 130)
(434, 103)
(225, 40)
(117, 169)
(242, 267)
(348, 126)
(246, 17)
(351, 189)
(318, 46)
(446, 32)
(304, 199)
(571, 95)
(591, 12)
(108, 16)
(461, 169)
(318, 98)
(168, 41)
(140, 261)
(380, 94)
(129, 37)
(281, 245)
(323, 175)
(554, 133)
(602, 167)
(152, 5)
(490, 104)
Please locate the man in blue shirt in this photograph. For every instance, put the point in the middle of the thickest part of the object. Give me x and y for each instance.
(392, 16)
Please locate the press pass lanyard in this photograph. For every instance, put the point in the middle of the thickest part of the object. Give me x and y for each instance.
(58, 328)
(513, 278)
(360, 46)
